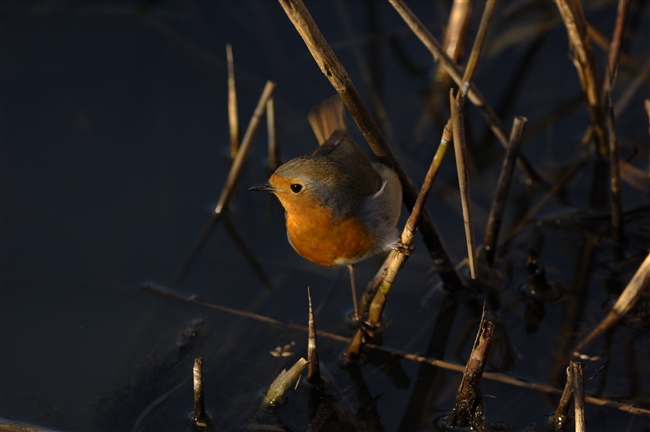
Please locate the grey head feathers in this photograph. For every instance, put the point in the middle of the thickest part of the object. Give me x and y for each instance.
(335, 184)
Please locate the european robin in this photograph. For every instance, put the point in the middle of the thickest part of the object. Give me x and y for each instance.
(340, 207)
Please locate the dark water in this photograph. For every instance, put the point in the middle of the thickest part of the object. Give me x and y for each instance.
(114, 151)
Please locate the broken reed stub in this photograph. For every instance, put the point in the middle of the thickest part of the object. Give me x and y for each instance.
(199, 417)
(284, 381)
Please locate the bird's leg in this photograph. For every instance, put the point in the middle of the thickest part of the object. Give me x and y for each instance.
(357, 315)
(367, 329)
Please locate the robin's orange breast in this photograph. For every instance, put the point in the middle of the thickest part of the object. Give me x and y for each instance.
(322, 240)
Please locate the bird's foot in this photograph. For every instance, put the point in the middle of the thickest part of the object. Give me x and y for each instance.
(368, 330)
(405, 249)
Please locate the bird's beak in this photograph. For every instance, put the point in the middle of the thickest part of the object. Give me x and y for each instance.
(265, 187)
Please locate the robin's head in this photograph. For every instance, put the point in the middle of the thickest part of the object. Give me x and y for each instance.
(317, 181)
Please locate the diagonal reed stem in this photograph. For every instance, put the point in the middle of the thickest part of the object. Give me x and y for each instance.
(585, 64)
(233, 116)
(455, 72)
(628, 298)
(503, 185)
(458, 127)
(460, 151)
(342, 83)
(396, 259)
(231, 182)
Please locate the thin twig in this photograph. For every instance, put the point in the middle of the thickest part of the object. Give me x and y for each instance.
(479, 42)
(614, 169)
(246, 143)
(342, 83)
(396, 259)
(494, 376)
(455, 72)
(585, 63)
(458, 121)
(632, 89)
(562, 411)
(274, 151)
(615, 45)
(503, 185)
(608, 87)
(628, 298)
(155, 403)
(231, 182)
(233, 117)
(460, 151)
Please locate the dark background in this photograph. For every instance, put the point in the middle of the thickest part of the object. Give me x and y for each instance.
(114, 152)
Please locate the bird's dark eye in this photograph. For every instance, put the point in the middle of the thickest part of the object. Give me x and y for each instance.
(296, 188)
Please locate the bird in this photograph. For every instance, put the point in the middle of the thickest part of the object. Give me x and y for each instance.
(340, 207)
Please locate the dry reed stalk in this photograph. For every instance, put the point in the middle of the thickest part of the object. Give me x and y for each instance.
(460, 148)
(460, 151)
(468, 406)
(608, 87)
(456, 33)
(396, 259)
(503, 185)
(560, 417)
(628, 298)
(585, 64)
(448, 137)
(233, 117)
(455, 72)
(313, 369)
(615, 46)
(342, 83)
(614, 170)
(274, 150)
(199, 417)
(479, 42)
(458, 127)
(368, 61)
(494, 376)
(246, 143)
(231, 182)
(578, 383)
(284, 381)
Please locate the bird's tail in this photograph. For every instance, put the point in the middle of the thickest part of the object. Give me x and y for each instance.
(326, 118)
